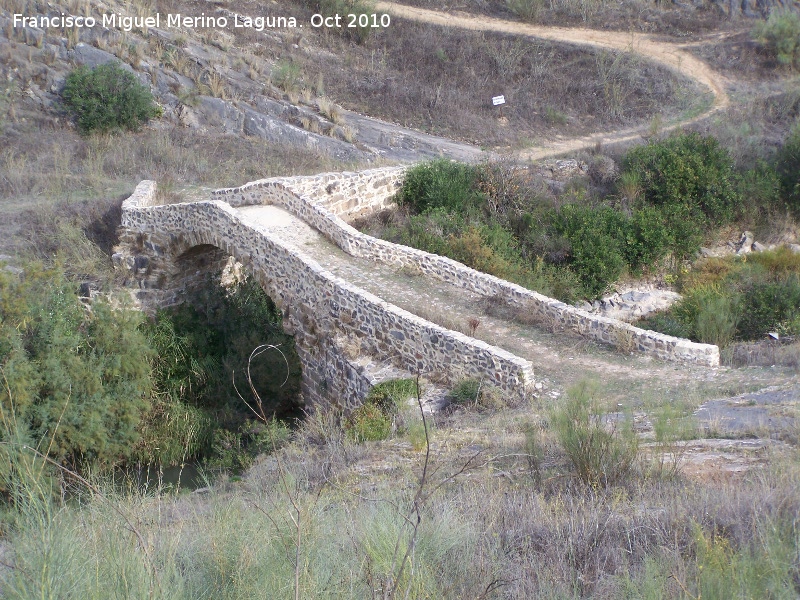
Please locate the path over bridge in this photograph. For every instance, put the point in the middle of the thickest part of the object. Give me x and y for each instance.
(364, 310)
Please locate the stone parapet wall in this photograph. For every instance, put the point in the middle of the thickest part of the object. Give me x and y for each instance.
(347, 195)
(143, 195)
(536, 307)
(319, 307)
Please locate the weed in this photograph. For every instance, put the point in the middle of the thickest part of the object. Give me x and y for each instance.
(475, 393)
(329, 110)
(554, 117)
(602, 451)
(527, 10)
(286, 76)
(216, 84)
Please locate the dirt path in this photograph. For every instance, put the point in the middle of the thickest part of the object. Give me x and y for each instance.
(668, 54)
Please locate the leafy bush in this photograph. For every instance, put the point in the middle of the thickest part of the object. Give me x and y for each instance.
(769, 306)
(374, 420)
(597, 237)
(369, 423)
(689, 170)
(107, 97)
(648, 238)
(476, 393)
(603, 451)
(788, 169)
(77, 380)
(780, 35)
(440, 184)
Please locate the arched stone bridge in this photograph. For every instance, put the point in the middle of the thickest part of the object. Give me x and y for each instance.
(362, 310)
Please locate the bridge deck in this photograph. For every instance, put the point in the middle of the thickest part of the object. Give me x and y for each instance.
(558, 359)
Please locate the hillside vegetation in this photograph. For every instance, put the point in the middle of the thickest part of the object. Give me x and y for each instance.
(653, 210)
(603, 489)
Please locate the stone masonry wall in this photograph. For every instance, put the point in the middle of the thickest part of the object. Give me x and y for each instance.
(347, 195)
(318, 307)
(299, 197)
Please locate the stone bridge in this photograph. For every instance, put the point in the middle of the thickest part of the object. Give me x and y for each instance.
(362, 310)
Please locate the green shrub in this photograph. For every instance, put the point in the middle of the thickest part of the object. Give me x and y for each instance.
(391, 395)
(603, 451)
(107, 97)
(710, 312)
(476, 393)
(762, 187)
(648, 238)
(666, 323)
(732, 298)
(474, 250)
(597, 237)
(368, 423)
(769, 306)
(440, 184)
(76, 379)
(788, 168)
(171, 432)
(685, 225)
(717, 320)
(374, 420)
(286, 76)
(780, 35)
(689, 170)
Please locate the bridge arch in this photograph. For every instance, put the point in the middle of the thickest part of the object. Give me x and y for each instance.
(347, 339)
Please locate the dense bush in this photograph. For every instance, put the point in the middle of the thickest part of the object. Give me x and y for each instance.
(727, 299)
(597, 238)
(780, 35)
(788, 170)
(103, 387)
(77, 382)
(688, 170)
(440, 184)
(374, 419)
(107, 97)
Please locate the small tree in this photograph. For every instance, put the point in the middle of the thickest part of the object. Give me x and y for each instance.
(107, 97)
(780, 35)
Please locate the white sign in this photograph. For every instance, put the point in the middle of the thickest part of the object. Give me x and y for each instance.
(498, 100)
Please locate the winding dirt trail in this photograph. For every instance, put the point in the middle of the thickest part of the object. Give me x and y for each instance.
(673, 56)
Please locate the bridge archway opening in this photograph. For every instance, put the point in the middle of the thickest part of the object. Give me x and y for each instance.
(224, 314)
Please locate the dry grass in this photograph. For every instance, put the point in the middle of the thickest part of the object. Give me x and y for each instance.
(621, 15)
(442, 80)
(49, 166)
(499, 525)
